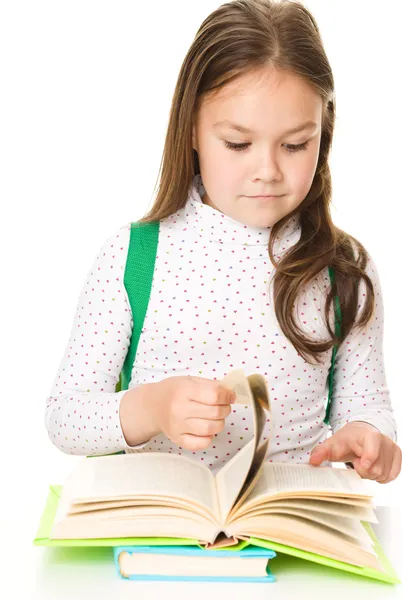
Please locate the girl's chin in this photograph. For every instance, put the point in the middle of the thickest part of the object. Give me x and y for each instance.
(258, 221)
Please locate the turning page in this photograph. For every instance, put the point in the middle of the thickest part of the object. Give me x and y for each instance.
(235, 480)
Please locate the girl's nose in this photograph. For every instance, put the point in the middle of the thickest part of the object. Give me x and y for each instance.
(268, 169)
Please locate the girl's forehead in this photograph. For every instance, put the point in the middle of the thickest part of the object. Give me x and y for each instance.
(278, 101)
(263, 82)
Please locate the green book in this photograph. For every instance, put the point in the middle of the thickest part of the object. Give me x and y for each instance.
(43, 539)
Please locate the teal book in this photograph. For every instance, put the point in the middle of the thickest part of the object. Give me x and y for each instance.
(192, 563)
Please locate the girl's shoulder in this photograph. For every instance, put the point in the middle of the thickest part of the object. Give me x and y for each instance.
(119, 238)
(363, 257)
(113, 250)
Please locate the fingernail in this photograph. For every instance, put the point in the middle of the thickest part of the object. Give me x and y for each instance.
(366, 464)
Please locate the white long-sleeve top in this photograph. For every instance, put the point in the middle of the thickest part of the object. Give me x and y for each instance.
(211, 311)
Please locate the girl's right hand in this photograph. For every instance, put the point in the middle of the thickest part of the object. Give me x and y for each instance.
(190, 410)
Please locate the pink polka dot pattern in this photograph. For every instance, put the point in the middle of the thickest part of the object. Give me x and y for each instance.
(211, 311)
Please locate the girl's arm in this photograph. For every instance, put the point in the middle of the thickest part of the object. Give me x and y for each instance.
(360, 387)
(82, 410)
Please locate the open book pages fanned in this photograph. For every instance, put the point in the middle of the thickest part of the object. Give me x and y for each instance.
(316, 509)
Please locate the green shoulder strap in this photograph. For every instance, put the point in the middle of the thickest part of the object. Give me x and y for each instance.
(338, 325)
(138, 275)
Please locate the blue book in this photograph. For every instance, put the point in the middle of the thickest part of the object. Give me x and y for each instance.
(192, 563)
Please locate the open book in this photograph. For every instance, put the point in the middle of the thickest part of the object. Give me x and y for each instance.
(314, 509)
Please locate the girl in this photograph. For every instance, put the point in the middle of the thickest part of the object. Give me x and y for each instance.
(237, 265)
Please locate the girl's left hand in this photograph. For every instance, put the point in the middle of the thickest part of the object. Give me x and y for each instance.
(374, 455)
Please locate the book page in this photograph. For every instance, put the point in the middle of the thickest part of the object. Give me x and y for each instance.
(238, 383)
(261, 409)
(126, 476)
(230, 478)
(172, 525)
(250, 390)
(364, 501)
(306, 535)
(237, 477)
(350, 527)
(130, 513)
(79, 508)
(285, 480)
(360, 513)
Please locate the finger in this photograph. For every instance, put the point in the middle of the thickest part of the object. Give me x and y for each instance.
(341, 450)
(364, 447)
(208, 411)
(334, 449)
(381, 468)
(371, 448)
(194, 442)
(212, 394)
(225, 395)
(395, 468)
(321, 452)
(201, 379)
(364, 473)
(387, 455)
(318, 454)
(203, 427)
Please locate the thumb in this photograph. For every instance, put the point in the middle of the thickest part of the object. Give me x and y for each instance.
(320, 453)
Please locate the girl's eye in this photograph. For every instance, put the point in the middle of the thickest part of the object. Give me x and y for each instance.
(237, 147)
(290, 147)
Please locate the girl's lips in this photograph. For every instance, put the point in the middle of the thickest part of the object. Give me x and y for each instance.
(264, 197)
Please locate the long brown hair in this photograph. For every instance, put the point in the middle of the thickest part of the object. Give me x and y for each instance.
(239, 37)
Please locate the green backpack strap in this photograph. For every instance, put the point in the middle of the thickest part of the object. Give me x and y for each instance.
(138, 276)
(338, 325)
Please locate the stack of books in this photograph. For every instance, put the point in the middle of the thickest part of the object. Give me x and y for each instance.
(167, 516)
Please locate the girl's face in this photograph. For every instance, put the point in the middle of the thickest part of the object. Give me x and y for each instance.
(268, 159)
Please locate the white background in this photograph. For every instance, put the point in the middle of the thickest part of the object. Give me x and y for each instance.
(85, 93)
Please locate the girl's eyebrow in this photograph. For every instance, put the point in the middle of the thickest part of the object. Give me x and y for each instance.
(242, 129)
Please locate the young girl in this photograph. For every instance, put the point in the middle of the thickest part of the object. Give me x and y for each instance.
(247, 269)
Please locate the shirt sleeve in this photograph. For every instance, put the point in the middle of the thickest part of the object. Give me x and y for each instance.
(82, 410)
(360, 387)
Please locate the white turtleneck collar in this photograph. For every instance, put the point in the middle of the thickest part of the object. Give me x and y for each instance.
(213, 225)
